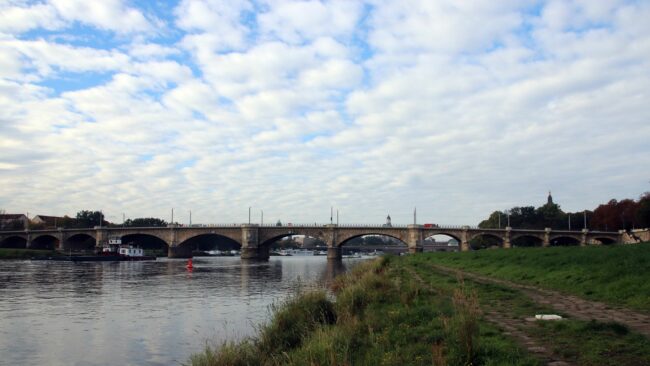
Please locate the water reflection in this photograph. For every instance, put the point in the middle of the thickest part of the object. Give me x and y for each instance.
(140, 313)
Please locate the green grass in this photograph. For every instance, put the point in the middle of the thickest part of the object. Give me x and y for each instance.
(618, 275)
(579, 342)
(399, 311)
(381, 316)
(8, 253)
(593, 343)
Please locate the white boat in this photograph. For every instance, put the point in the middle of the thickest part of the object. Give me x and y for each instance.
(124, 251)
(296, 252)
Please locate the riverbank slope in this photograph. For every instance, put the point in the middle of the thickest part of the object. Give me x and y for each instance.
(406, 311)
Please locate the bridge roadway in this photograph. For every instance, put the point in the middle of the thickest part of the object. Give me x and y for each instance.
(255, 240)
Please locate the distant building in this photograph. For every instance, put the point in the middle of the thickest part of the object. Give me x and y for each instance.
(549, 199)
(14, 222)
(48, 221)
(387, 224)
(306, 241)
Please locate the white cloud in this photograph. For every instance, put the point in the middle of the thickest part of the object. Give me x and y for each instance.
(221, 19)
(292, 107)
(48, 58)
(111, 15)
(20, 19)
(300, 21)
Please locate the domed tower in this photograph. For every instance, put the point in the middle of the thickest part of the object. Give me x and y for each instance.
(388, 224)
(549, 200)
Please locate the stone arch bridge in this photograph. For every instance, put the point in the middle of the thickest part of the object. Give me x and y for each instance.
(255, 240)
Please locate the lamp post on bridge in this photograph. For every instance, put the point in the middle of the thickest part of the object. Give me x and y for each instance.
(249, 215)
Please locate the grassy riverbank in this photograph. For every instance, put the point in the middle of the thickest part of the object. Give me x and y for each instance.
(618, 275)
(401, 311)
(9, 253)
(381, 316)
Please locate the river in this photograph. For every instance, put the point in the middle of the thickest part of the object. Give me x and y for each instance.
(141, 313)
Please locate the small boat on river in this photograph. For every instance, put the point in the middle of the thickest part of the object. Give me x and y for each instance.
(113, 251)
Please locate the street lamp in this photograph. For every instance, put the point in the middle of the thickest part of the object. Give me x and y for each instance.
(249, 215)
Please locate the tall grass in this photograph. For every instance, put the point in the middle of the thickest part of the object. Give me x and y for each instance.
(466, 322)
(381, 316)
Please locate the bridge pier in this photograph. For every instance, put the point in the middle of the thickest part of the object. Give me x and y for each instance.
(583, 238)
(464, 242)
(261, 253)
(28, 241)
(415, 238)
(547, 237)
(506, 238)
(334, 253)
(179, 252)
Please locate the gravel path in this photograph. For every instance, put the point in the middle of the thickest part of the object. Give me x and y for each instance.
(567, 304)
(513, 327)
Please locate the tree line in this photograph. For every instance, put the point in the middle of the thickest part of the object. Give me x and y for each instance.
(614, 215)
(89, 219)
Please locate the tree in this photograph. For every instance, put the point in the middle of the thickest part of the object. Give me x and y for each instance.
(616, 215)
(643, 211)
(86, 219)
(550, 215)
(145, 222)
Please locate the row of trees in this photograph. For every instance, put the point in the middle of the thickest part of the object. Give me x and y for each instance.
(615, 215)
(89, 219)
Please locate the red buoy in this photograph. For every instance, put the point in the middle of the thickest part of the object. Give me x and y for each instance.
(189, 264)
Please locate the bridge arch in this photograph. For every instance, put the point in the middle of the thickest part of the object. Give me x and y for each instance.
(526, 240)
(432, 235)
(209, 241)
(81, 242)
(564, 241)
(271, 235)
(348, 238)
(147, 242)
(485, 240)
(603, 240)
(234, 234)
(14, 242)
(49, 242)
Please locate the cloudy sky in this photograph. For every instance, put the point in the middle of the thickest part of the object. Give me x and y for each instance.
(291, 107)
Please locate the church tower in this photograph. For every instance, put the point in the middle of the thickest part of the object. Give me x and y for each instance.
(388, 224)
(549, 200)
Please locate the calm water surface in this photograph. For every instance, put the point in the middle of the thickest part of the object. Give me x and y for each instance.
(140, 313)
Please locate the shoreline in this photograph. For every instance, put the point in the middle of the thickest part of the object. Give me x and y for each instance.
(402, 310)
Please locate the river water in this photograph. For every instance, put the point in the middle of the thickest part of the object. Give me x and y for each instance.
(141, 313)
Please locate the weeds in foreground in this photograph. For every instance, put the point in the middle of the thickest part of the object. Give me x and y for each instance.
(467, 313)
(382, 316)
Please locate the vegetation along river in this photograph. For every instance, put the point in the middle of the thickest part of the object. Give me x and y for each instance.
(140, 313)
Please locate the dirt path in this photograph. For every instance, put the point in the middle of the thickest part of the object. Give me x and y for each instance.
(513, 327)
(567, 304)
